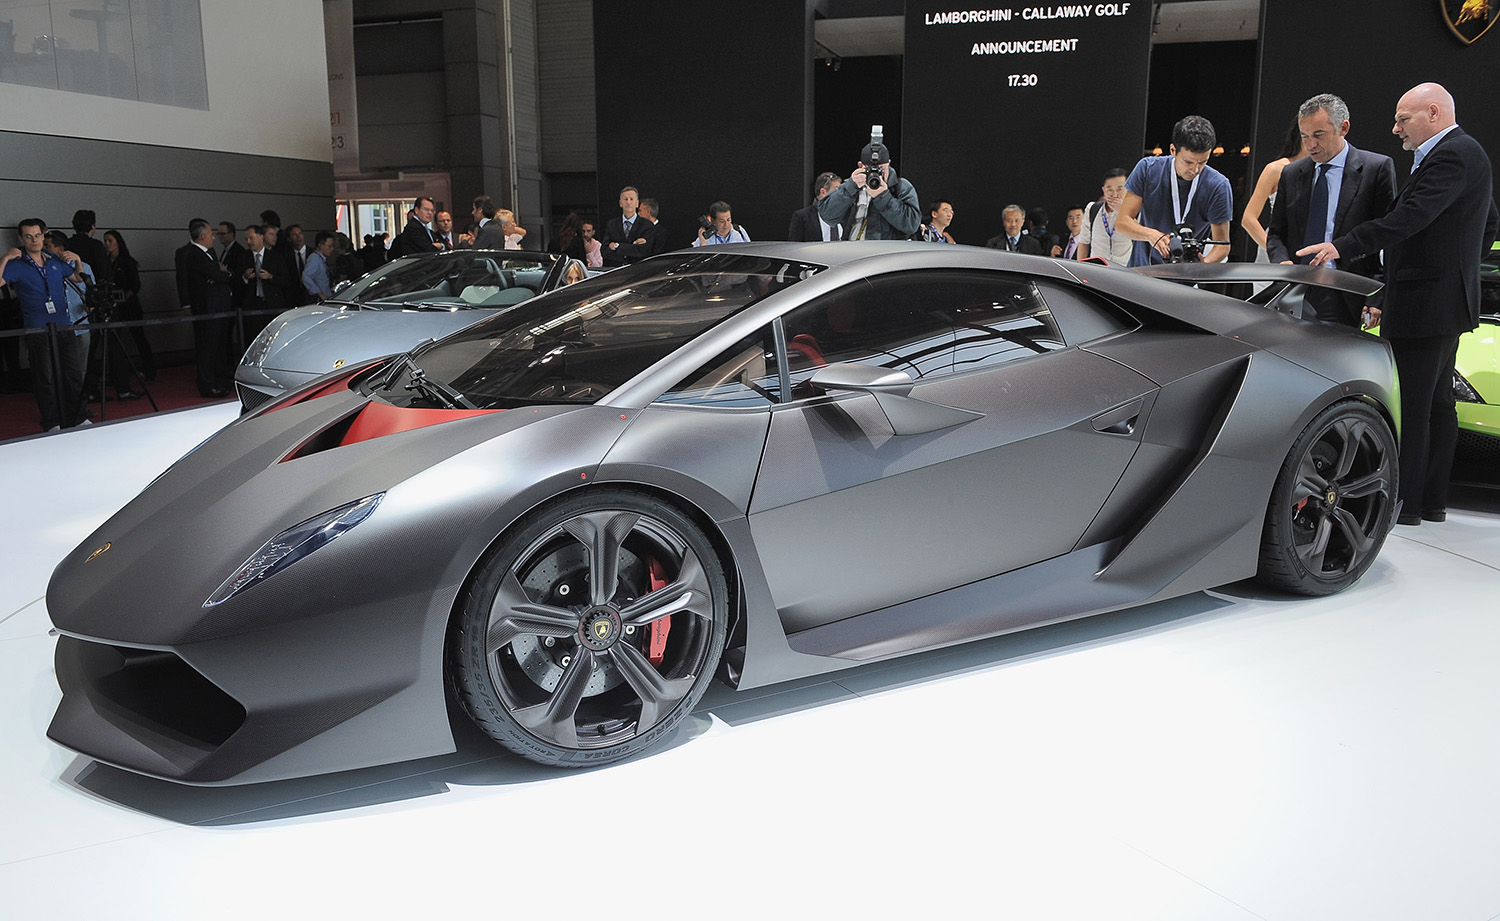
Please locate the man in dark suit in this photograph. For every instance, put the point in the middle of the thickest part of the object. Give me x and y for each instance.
(1014, 240)
(442, 226)
(1443, 221)
(294, 253)
(415, 238)
(83, 244)
(806, 225)
(649, 239)
(228, 245)
(491, 235)
(264, 277)
(203, 285)
(1325, 195)
(622, 230)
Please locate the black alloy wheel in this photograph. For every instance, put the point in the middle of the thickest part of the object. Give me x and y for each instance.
(1332, 504)
(592, 630)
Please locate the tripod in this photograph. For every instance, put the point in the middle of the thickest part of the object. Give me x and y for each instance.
(109, 341)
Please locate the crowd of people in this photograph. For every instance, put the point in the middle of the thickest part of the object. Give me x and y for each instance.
(1117, 227)
(1331, 204)
(72, 281)
(233, 289)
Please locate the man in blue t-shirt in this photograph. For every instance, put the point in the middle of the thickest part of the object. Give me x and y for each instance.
(1165, 193)
(38, 280)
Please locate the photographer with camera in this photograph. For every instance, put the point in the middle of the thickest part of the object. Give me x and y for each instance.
(875, 204)
(718, 226)
(1165, 194)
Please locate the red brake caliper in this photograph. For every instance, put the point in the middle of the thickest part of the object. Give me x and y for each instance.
(656, 631)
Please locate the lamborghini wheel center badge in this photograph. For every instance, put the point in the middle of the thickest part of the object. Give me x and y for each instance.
(600, 628)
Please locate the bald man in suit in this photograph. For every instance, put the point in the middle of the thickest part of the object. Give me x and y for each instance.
(1443, 221)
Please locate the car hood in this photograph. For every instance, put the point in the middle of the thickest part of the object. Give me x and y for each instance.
(142, 578)
(316, 340)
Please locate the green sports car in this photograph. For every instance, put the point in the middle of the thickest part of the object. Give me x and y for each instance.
(1476, 378)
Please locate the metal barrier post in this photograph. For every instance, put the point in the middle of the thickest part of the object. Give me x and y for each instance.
(57, 390)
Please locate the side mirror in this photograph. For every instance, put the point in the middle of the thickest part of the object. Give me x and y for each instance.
(863, 378)
(890, 388)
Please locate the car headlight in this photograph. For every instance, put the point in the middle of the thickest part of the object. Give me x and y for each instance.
(260, 346)
(292, 545)
(1463, 391)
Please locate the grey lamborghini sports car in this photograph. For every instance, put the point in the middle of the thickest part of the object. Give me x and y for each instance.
(388, 311)
(753, 462)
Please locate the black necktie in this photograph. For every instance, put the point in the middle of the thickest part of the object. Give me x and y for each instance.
(301, 264)
(1317, 210)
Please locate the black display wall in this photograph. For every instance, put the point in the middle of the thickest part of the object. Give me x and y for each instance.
(847, 100)
(1370, 57)
(698, 102)
(1030, 109)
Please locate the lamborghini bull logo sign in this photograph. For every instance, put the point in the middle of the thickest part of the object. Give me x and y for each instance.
(1470, 19)
(602, 630)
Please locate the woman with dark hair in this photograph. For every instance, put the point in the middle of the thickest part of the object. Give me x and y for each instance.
(125, 275)
(569, 240)
(1265, 188)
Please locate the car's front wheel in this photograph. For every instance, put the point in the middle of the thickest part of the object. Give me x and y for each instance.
(1332, 504)
(591, 631)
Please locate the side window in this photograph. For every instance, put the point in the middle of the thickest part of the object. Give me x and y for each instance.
(743, 375)
(1082, 314)
(999, 318)
(894, 321)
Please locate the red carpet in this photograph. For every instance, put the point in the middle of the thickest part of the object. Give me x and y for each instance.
(174, 388)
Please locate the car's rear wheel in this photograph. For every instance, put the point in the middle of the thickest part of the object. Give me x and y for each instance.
(591, 631)
(1332, 504)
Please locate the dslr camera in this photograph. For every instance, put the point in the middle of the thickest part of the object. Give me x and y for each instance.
(100, 300)
(1186, 247)
(874, 156)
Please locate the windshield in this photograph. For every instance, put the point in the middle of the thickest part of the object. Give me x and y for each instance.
(453, 280)
(582, 341)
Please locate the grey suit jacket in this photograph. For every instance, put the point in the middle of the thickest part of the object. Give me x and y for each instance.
(490, 236)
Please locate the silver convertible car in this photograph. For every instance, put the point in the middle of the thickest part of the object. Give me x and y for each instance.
(753, 462)
(390, 310)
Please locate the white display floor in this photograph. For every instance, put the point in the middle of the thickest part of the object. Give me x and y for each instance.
(1221, 756)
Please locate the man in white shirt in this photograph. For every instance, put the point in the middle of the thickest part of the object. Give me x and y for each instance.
(1099, 237)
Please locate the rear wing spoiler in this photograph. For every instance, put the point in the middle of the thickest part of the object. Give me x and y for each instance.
(1285, 288)
(1243, 273)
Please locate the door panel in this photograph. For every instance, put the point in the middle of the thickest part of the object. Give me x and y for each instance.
(848, 517)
